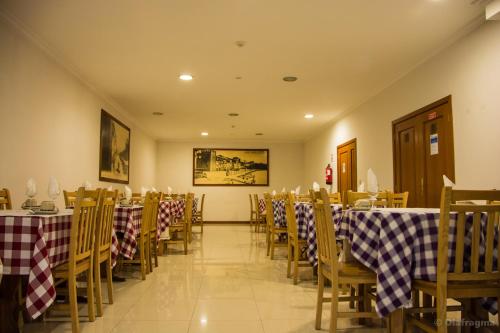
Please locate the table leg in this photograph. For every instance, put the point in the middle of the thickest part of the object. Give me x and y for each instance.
(9, 305)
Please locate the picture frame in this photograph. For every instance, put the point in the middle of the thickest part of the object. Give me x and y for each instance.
(230, 167)
(114, 150)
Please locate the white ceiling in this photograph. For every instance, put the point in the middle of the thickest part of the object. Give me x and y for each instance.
(342, 51)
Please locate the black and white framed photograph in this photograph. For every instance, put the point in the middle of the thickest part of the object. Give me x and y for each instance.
(230, 167)
(114, 153)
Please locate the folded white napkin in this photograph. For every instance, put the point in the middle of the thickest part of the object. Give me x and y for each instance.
(87, 185)
(361, 186)
(169, 190)
(297, 190)
(153, 189)
(273, 192)
(447, 182)
(31, 188)
(316, 187)
(128, 192)
(292, 191)
(144, 190)
(54, 190)
(372, 183)
(283, 190)
(110, 188)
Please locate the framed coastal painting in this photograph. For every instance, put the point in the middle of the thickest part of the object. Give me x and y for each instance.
(114, 152)
(230, 167)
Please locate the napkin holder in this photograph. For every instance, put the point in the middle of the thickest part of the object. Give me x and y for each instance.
(362, 204)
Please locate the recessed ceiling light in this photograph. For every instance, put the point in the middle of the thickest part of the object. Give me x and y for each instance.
(157, 113)
(290, 78)
(232, 114)
(204, 133)
(186, 77)
(240, 43)
(259, 134)
(238, 77)
(309, 116)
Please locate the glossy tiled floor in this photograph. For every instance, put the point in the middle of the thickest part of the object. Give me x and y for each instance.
(225, 284)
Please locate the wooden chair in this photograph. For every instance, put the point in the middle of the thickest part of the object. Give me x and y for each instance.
(188, 216)
(180, 227)
(295, 245)
(482, 278)
(136, 199)
(198, 217)
(335, 198)
(102, 249)
(81, 252)
(338, 273)
(5, 201)
(69, 199)
(303, 198)
(141, 258)
(253, 211)
(152, 248)
(259, 219)
(274, 235)
(351, 197)
(398, 200)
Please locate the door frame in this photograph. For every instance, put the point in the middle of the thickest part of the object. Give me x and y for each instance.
(418, 112)
(354, 163)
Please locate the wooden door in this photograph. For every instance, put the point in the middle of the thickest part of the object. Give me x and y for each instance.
(346, 167)
(423, 152)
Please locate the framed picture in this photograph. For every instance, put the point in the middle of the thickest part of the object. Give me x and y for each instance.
(230, 167)
(114, 152)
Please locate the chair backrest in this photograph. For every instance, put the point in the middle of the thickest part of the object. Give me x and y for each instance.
(188, 210)
(303, 198)
(483, 221)
(351, 198)
(398, 200)
(202, 203)
(155, 204)
(136, 198)
(147, 211)
(256, 205)
(251, 204)
(268, 198)
(81, 245)
(335, 198)
(327, 246)
(5, 201)
(69, 199)
(291, 222)
(105, 218)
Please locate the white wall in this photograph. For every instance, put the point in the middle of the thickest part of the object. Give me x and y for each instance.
(469, 70)
(50, 123)
(225, 203)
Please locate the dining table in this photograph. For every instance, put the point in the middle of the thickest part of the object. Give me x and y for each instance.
(400, 245)
(31, 245)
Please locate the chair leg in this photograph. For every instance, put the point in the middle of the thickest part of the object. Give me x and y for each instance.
(98, 291)
(289, 260)
(334, 308)
(319, 300)
(441, 313)
(90, 292)
(295, 264)
(353, 293)
(143, 260)
(155, 250)
(109, 278)
(185, 241)
(75, 322)
(268, 240)
(201, 222)
(272, 245)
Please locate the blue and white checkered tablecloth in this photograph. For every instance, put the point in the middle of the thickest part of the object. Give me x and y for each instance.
(400, 245)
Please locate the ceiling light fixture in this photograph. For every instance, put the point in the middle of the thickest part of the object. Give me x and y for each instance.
(232, 114)
(204, 133)
(259, 134)
(308, 116)
(186, 77)
(157, 113)
(290, 78)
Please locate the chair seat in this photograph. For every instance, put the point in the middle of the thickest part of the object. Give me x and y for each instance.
(353, 273)
(460, 289)
(61, 271)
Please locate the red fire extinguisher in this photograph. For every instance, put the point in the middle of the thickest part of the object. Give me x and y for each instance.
(329, 174)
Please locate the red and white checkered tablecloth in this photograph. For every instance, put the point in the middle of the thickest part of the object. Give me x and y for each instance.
(127, 220)
(168, 211)
(32, 245)
(262, 206)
